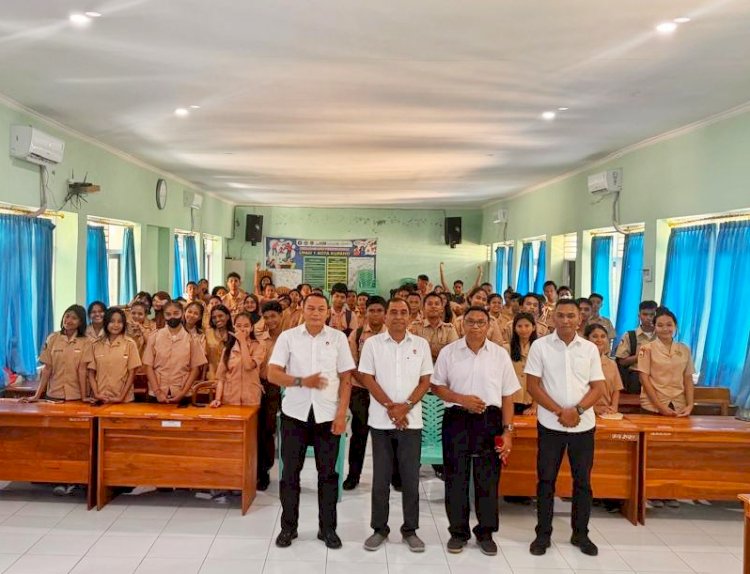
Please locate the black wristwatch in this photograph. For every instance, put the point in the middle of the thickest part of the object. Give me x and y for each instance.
(580, 410)
(297, 381)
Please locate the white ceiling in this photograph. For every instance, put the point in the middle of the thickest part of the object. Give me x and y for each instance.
(426, 103)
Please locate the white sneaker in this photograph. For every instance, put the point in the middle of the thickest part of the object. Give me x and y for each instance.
(63, 489)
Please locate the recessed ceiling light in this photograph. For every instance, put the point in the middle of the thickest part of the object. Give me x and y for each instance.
(549, 116)
(93, 14)
(79, 19)
(182, 112)
(239, 185)
(194, 107)
(666, 27)
(681, 20)
(562, 109)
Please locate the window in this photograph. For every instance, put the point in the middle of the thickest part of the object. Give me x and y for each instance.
(617, 248)
(211, 256)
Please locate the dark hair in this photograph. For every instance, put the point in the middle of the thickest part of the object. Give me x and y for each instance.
(516, 297)
(255, 315)
(143, 295)
(564, 288)
(294, 291)
(531, 296)
(648, 304)
(574, 302)
(109, 314)
(301, 285)
(269, 284)
(267, 279)
(161, 295)
(394, 300)
(431, 294)
(232, 340)
(422, 277)
(339, 288)
(94, 304)
(349, 291)
(458, 281)
(285, 298)
(189, 283)
(215, 290)
(548, 283)
(478, 309)
(224, 309)
(376, 300)
(473, 292)
(515, 340)
(179, 300)
(212, 297)
(448, 312)
(596, 296)
(315, 294)
(199, 324)
(582, 301)
(664, 312)
(363, 294)
(234, 275)
(593, 327)
(174, 304)
(485, 283)
(79, 312)
(202, 279)
(140, 304)
(494, 296)
(508, 291)
(273, 306)
(414, 294)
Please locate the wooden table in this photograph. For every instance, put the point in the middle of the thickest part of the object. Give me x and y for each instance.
(745, 498)
(169, 446)
(49, 442)
(615, 471)
(697, 457)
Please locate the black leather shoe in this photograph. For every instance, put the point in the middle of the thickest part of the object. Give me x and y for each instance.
(585, 544)
(539, 546)
(350, 483)
(285, 537)
(263, 482)
(331, 539)
(487, 546)
(455, 544)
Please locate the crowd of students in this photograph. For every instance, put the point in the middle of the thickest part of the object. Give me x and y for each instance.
(290, 350)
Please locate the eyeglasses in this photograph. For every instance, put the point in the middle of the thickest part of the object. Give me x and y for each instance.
(471, 323)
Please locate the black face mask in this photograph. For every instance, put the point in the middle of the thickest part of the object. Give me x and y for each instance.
(174, 323)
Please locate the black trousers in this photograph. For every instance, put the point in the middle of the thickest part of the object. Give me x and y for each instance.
(359, 405)
(552, 447)
(406, 446)
(269, 409)
(469, 440)
(296, 436)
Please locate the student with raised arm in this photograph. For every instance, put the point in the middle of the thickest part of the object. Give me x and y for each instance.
(313, 364)
(458, 285)
(564, 375)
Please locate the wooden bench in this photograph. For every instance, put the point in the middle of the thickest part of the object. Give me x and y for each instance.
(169, 446)
(707, 399)
(615, 471)
(49, 442)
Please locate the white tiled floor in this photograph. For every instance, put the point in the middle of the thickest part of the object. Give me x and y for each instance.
(176, 532)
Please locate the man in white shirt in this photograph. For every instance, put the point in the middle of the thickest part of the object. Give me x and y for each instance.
(395, 367)
(475, 378)
(313, 363)
(564, 375)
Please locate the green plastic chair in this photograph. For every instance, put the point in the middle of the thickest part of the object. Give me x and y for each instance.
(432, 429)
(405, 280)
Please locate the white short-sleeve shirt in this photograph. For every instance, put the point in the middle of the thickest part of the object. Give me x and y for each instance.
(302, 354)
(397, 368)
(566, 372)
(487, 374)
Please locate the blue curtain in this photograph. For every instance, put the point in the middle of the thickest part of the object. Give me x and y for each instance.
(728, 327)
(601, 264)
(631, 284)
(500, 269)
(541, 268)
(685, 281)
(509, 277)
(177, 284)
(97, 274)
(26, 288)
(127, 268)
(524, 282)
(191, 257)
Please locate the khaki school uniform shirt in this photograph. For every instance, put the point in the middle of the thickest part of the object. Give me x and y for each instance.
(93, 335)
(612, 380)
(214, 347)
(494, 334)
(234, 302)
(140, 336)
(269, 344)
(666, 368)
(507, 331)
(337, 320)
(522, 395)
(604, 322)
(64, 356)
(641, 338)
(438, 337)
(356, 343)
(241, 374)
(112, 362)
(291, 319)
(173, 357)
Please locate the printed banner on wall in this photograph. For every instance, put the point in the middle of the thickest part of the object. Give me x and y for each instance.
(321, 263)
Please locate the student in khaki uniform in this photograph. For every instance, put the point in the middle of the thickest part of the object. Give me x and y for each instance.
(361, 309)
(529, 304)
(432, 327)
(550, 300)
(292, 315)
(95, 330)
(341, 318)
(211, 304)
(192, 293)
(64, 374)
(478, 298)
(458, 285)
(414, 300)
(173, 359)
(238, 374)
(586, 309)
(524, 334)
(596, 304)
(193, 320)
(159, 300)
(495, 308)
(235, 296)
(140, 328)
(217, 334)
(631, 343)
(359, 403)
(609, 402)
(112, 361)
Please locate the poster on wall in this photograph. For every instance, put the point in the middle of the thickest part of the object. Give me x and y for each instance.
(321, 262)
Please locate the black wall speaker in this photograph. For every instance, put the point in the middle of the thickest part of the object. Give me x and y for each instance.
(452, 231)
(254, 228)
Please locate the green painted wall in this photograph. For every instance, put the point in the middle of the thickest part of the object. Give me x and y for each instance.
(410, 242)
(128, 193)
(700, 171)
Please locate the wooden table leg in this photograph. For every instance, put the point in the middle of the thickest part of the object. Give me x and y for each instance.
(746, 563)
(641, 497)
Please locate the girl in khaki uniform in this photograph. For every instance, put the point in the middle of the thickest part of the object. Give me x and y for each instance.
(238, 374)
(64, 374)
(220, 325)
(609, 402)
(112, 361)
(95, 330)
(524, 334)
(140, 328)
(193, 318)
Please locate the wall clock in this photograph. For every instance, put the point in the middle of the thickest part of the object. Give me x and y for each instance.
(161, 193)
